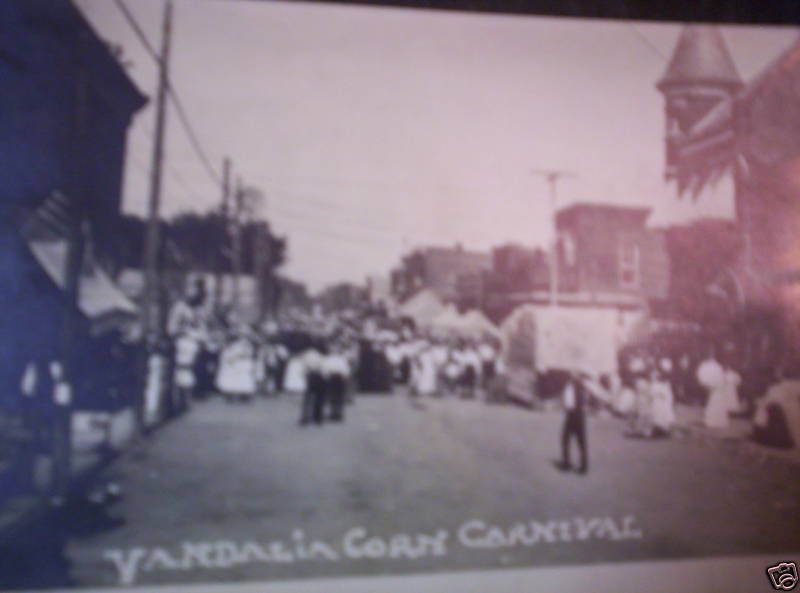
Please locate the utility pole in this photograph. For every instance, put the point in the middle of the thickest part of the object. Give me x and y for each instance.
(268, 291)
(226, 173)
(238, 203)
(152, 315)
(262, 260)
(154, 366)
(552, 176)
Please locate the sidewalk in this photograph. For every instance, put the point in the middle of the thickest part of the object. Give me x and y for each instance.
(689, 420)
(95, 435)
(97, 439)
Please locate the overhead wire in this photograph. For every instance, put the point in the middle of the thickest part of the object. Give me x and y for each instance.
(205, 161)
(190, 132)
(643, 38)
(137, 29)
(173, 95)
(172, 172)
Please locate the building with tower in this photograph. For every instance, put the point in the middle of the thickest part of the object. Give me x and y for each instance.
(700, 76)
(748, 134)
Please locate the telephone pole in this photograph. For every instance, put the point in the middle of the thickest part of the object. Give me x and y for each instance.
(553, 176)
(261, 250)
(152, 314)
(238, 203)
(262, 260)
(224, 209)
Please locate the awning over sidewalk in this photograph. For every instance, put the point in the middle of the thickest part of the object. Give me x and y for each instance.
(99, 296)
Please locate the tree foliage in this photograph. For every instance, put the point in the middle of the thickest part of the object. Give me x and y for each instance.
(201, 242)
(703, 255)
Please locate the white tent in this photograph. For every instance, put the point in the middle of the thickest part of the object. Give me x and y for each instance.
(473, 324)
(423, 307)
(478, 324)
(448, 321)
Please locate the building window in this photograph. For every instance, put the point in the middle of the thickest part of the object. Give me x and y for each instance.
(628, 265)
(568, 248)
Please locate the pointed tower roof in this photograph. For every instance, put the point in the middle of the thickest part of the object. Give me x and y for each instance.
(701, 56)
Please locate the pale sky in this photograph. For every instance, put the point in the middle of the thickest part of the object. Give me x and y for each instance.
(374, 130)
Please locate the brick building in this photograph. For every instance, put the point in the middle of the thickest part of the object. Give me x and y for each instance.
(437, 268)
(516, 271)
(607, 251)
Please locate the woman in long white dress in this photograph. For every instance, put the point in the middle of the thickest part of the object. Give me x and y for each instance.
(426, 373)
(294, 379)
(663, 405)
(236, 378)
(722, 385)
(625, 404)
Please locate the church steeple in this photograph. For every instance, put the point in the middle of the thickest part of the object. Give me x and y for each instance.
(700, 74)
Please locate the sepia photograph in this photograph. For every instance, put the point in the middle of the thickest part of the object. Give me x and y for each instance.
(295, 294)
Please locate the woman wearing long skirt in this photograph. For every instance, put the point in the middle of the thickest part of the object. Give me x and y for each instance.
(427, 373)
(663, 406)
(722, 385)
(236, 378)
(294, 377)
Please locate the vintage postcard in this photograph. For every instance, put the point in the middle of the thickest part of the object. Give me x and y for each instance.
(359, 298)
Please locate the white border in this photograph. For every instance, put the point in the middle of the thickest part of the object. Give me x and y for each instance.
(734, 574)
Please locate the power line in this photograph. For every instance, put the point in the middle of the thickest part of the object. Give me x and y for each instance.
(173, 94)
(336, 218)
(189, 129)
(176, 177)
(344, 238)
(336, 226)
(645, 40)
(134, 24)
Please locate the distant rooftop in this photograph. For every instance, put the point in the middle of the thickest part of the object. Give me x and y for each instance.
(594, 209)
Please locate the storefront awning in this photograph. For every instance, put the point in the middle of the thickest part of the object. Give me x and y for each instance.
(99, 296)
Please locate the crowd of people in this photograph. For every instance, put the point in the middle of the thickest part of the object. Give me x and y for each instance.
(430, 365)
(323, 358)
(212, 354)
(320, 358)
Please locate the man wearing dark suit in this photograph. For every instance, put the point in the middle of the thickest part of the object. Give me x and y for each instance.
(574, 424)
(314, 396)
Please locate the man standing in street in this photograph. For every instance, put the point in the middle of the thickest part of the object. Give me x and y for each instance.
(314, 396)
(337, 372)
(574, 424)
